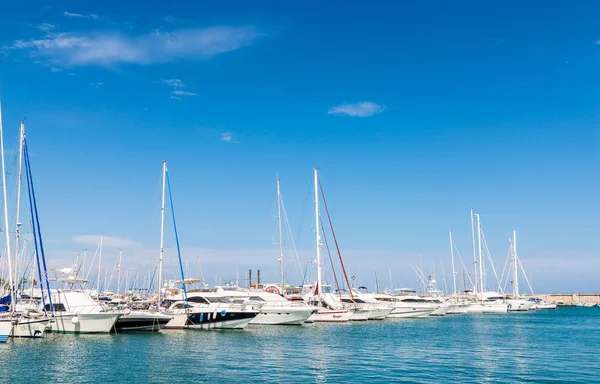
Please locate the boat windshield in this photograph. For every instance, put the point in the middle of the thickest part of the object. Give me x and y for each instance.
(217, 299)
(58, 307)
(256, 298)
(198, 299)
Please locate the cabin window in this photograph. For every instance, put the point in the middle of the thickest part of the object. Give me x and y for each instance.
(256, 298)
(218, 300)
(198, 299)
(58, 307)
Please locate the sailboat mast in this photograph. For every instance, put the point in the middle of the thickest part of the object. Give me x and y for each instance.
(7, 232)
(162, 229)
(474, 254)
(452, 258)
(19, 174)
(481, 287)
(280, 236)
(119, 272)
(99, 266)
(318, 233)
(515, 266)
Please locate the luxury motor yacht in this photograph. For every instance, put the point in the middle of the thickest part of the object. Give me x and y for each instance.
(406, 306)
(274, 309)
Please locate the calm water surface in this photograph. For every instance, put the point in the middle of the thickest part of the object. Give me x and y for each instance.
(542, 346)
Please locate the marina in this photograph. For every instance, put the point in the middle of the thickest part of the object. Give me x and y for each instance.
(299, 192)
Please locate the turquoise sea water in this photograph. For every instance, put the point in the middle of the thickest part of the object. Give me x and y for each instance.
(542, 346)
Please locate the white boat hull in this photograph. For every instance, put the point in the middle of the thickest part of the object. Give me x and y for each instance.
(6, 327)
(458, 309)
(178, 321)
(410, 312)
(30, 328)
(518, 305)
(361, 314)
(488, 308)
(84, 323)
(380, 313)
(331, 316)
(440, 311)
(283, 316)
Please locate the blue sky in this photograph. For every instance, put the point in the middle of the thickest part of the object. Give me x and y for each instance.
(414, 113)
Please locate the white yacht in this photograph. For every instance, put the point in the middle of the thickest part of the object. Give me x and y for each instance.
(406, 306)
(274, 309)
(77, 312)
(540, 304)
(489, 302)
(210, 310)
(376, 310)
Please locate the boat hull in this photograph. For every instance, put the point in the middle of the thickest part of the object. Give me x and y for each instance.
(6, 327)
(331, 316)
(380, 313)
(518, 305)
(178, 321)
(544, 306)
(410, 312)
(141, 322)
(458, 309)
(219, 319)
(440, 311)
(84, 323)
(361, 314)
(283, 316)
(488, 308)
(30, 328)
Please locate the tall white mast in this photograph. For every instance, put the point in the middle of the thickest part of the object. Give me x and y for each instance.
(318, 233)
(481, 286)
(474, 254)
(6, 231)
(453, 271)
(99, 266)
(162, 229)
(19, 172)
(515, 266)
(280, 236)
(119, 272)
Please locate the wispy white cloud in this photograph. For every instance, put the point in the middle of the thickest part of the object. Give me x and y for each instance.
(112, 48)
(228, 138)
(97, 85)
(179, 92)
(362, 109)
(177, 85)
(45, 27)
(107, 241)
(169, 19)
(92, 16)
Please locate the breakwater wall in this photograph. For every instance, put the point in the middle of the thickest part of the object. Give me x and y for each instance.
(569, 298)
